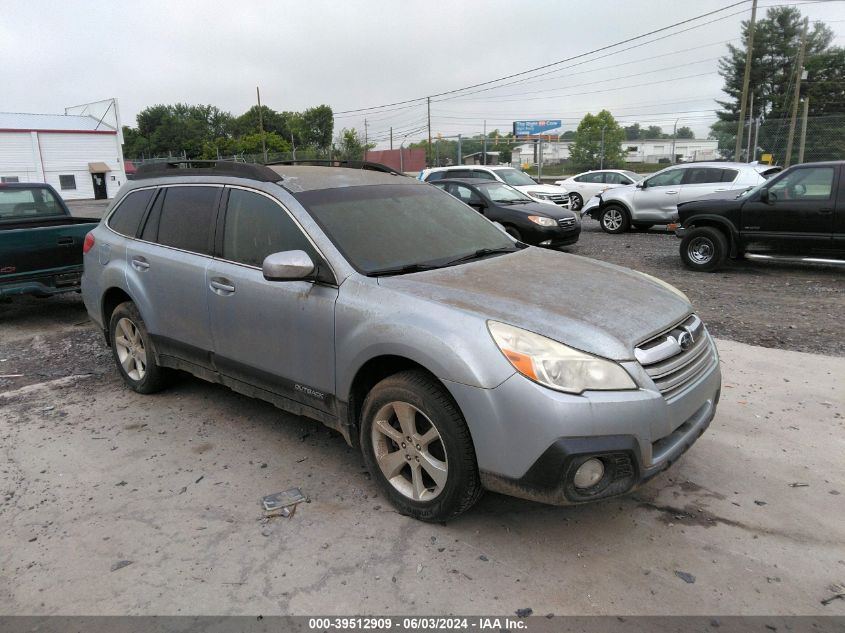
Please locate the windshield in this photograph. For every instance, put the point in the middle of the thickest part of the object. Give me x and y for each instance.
(19, 203)
(384, 227)
(498, 192)
(514, 177)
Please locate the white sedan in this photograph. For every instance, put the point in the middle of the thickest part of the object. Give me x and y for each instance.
(584, 186)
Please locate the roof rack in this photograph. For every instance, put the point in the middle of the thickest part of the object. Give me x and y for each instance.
(206, 168)
(351, 164)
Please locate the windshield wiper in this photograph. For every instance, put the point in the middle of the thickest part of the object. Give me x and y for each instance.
(401, 270)
(481, 252)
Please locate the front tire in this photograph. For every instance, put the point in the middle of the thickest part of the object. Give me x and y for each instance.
(417, 446)
(614, 219)
(575, 202)
(704, 249)
(133, 350)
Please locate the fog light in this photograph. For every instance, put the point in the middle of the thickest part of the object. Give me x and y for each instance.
(588, 474)
(545, 243)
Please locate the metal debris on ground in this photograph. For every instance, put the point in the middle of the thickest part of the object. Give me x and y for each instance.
(282, 503)
(796, 484)
(687, 578)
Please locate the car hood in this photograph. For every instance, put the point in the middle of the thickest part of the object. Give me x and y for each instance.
(590, 305)
(539, 208)
(712, 206)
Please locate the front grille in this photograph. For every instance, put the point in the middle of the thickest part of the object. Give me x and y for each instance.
(669, 365)
(566, 223)
(559, 199)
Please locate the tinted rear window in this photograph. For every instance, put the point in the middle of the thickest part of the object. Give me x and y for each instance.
(187, 218)
(18, 203)
(127, 216)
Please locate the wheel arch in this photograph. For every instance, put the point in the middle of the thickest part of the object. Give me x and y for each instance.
(112, 298)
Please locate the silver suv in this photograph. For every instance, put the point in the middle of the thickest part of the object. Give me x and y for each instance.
(456, 357)
(654, 200)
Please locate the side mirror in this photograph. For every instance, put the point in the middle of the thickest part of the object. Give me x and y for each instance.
(287, 266)
(641, 184)
(764, 196)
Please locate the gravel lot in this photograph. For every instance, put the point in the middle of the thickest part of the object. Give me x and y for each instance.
(795, 307)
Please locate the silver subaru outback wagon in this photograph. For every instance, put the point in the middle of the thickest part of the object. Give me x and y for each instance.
(457, 358)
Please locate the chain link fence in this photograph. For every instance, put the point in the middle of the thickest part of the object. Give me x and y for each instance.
(824, 139)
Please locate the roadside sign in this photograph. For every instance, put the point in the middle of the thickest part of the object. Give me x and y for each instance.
(529, 128)
(766, 158)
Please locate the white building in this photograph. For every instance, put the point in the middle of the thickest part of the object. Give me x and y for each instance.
(79, 155)
(644, 151)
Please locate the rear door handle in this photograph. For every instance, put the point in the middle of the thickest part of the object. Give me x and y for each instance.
(722, 189)
(65, 241)
(140, 264)
(668, 193)
(221, 286)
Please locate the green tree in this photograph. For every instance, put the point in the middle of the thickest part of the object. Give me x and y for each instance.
(633, 132)
(586, 151)
(776, 42)
(684, 132)
(348, 145)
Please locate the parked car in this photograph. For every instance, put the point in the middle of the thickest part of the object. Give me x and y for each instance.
(584, 186)
(457, 358)
(40, 243)
(522, 218)
(655, 199)
(799, 215)
(501, 173)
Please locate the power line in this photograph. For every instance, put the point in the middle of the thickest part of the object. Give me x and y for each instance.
(549, 65)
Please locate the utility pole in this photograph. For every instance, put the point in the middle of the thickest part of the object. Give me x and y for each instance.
(261, 125)
(484, 152)
(391, 138)
(803, 130)
(757, 123)
(601, 158)
(674, 138)
(428, 149)
(745, 80)
(365, 139)
(750, 123)
(460, 159)
(798, 74)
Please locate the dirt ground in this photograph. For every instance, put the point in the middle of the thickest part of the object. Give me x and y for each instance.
(795, 307)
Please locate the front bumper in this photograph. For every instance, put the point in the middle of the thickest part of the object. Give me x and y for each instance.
(529, 440)
(552, 236)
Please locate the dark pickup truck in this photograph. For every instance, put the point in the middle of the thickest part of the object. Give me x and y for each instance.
(40, 243)
(799, 215)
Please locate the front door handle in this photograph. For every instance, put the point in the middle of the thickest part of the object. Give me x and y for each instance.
(222, 286)
(140, 264)
(669, 193)
(65, 241)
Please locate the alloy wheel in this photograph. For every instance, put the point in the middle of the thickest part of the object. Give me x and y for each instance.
(130, 349)
(409, 451)
(613, 219)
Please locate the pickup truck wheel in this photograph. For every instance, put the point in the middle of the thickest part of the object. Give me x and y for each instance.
(614, 219)
(417, 446)
(133, 351)
(575, 202)
(704, 249)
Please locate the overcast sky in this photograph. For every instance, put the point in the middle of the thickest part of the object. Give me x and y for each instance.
(365, 53)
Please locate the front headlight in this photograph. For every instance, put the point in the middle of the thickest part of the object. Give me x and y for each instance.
(542, 220)
(668, 286)
(555, 365)
(539, 195)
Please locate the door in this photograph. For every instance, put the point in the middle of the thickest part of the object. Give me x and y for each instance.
(166, 271)
(275, 335)
(657, 199)
(99, 181)
(799, 212)
(589, 185)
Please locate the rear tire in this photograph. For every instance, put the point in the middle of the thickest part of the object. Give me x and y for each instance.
(133, 350)
(704, 249)
(614, 219)
(575, 202)
(417, 446)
